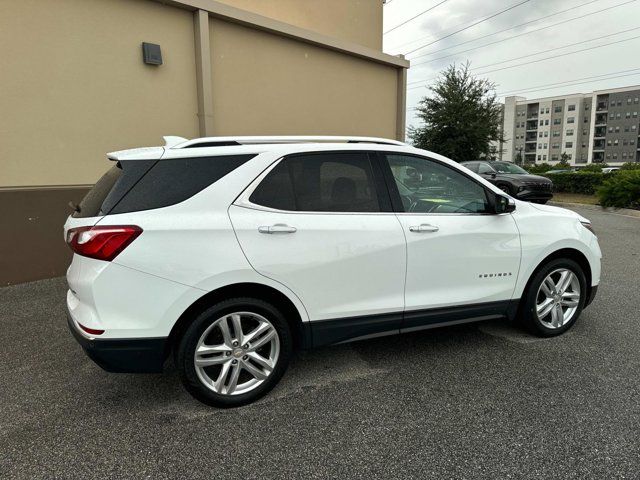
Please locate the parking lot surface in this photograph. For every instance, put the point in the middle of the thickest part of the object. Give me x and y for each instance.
(474, 401)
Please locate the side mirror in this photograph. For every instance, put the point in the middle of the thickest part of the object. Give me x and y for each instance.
(504, 204)
(493, 174)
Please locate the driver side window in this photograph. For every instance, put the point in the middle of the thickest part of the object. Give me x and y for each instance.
(427, 186)
(484, 168)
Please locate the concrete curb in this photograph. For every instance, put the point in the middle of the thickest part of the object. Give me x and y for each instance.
(618, 211)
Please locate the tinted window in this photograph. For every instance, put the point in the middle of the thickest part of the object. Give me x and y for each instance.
(112, 186)
(172, 181)
(331, 182)
(472, 166)
(426, 186)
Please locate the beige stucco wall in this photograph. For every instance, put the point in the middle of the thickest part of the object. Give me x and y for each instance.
(265, 84)
(358, 21)
(73, 85)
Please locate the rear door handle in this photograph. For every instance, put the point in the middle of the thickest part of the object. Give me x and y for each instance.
(423, 228)
(277, 228)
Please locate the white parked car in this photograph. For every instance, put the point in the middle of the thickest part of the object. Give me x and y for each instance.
(610, 169)
(230, 253)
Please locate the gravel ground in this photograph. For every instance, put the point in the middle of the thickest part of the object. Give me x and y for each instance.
(474, 401)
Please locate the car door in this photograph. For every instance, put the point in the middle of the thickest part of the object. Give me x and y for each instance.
(462, 259)
(322, 225)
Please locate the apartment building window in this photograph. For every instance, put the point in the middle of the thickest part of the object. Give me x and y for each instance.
(545, 146)
(544, 157)
(584, 132)
(586, 106)
(626, 129)
(625, 142)
(556, 133)
(557, 121)
(610, 129)
(541, 111)
(539, 145)
(557, 108)
(554, 157)
(541, 123)
(540, 135)
(571, 108)
(612, 116)
(568, 145)
(619, 103)
(632, 142)
(615, 142)
(608, 156)
(546, 133)
(569, 132)
(546, 122)
(546, 110)
(555, 145)
(624, 155)
(635, 114)
(629, 101)
(608, 143)
(617, 129)
(539, 157)
(571, 119)
(615, 156)
(613, 103)
(627, 115)
(618, 115)
(633, 127)
(586, 120)
(635, 100)
(584, 145)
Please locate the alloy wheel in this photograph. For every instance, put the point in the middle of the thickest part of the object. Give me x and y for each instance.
(558, 298)
(237, 353)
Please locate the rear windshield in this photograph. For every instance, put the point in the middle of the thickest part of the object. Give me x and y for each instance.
(131, 186)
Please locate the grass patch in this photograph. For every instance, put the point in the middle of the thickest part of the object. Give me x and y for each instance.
(575, 198)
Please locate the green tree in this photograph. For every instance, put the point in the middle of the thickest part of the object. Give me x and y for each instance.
(460, 118)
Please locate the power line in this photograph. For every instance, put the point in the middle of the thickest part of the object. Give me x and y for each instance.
(500, 31)
(569, 81)
(545, 51)
(513, 36)
(416, 16)
(540, 59)
(469, 26)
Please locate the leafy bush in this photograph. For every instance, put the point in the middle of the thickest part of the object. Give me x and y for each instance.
(630, 166)
(593, 167)
(621, 190)
(584, 183)
(537, 169)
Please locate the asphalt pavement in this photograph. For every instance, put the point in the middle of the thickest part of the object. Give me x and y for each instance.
(474, 401)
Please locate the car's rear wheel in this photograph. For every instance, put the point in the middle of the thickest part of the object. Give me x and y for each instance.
(555, 297)
(234, 352)
(505, 188)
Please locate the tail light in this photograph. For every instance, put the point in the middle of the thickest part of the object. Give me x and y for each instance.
(102, 242)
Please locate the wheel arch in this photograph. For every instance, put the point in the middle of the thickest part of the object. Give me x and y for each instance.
(570, 253)
(301, 335)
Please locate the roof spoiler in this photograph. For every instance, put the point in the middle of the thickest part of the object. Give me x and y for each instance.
(171, 141)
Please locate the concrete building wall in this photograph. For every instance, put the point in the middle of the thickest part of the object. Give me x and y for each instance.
(78, 88)
(358, 21)
(265, 84)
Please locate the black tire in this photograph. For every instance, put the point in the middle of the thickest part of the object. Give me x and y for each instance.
(528, 313)
(184, 354)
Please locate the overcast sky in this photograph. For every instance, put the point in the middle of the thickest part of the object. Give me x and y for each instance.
(617, 59)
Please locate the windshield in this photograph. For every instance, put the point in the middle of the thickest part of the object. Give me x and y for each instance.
(506, 167)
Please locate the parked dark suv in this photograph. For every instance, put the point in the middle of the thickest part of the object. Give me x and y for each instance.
(514, 180)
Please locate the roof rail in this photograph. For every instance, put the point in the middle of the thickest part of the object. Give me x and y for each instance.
(229, 141)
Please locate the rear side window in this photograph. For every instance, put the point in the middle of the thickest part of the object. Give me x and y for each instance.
(327, 182)
(136, 185)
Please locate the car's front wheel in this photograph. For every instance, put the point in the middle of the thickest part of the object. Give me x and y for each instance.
(234, 352)
(555, 297)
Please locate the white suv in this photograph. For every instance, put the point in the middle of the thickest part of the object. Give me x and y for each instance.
(231, 252)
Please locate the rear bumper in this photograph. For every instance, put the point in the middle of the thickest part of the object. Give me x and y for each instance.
(133, 355)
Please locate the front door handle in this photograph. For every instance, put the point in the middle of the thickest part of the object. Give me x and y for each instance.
(277, 228)
(423, 228)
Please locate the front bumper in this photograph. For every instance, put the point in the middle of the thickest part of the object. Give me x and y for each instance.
(534, 195)
(131, 355)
